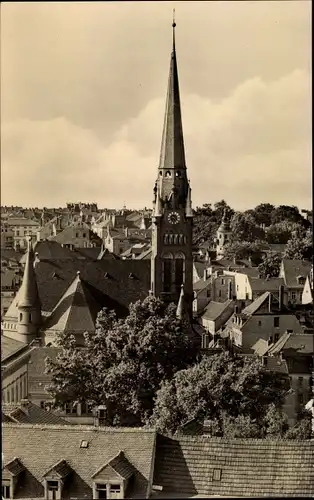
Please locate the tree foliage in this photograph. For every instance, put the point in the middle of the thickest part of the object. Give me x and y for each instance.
(244, 228)
(231, 391)
(207, 220)
(124, 362)
(270, 265)
(300, 246)
(244, 250)
(281, 232)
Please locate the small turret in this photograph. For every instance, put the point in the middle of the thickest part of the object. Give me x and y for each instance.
(188, 207)
(223, 235)
(29, 308)
(181, 308)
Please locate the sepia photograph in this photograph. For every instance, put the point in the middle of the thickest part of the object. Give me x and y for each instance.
(157, 320)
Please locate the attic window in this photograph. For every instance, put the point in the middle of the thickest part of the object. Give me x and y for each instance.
(131, 276)
(216, 474)
(84, 444)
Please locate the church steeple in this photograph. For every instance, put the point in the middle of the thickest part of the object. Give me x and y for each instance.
(172, 262)
(172, 167)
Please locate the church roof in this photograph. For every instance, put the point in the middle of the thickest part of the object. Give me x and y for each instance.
(75, 312)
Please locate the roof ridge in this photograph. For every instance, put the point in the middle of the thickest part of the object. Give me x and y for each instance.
(72, 427)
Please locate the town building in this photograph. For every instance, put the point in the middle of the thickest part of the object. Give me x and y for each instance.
(294, 274)
(66, 461)
(22, 229)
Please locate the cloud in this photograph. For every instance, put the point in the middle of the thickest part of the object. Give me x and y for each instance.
(249, 147)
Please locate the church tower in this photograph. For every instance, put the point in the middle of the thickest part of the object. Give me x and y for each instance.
(172, 262)
(223, 236)
(29, 308)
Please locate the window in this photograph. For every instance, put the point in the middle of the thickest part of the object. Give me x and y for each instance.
(208, 293)
(293, 295)
(276, 337)
(6, 488)
(84, 444)
(300, 399)
(222, 281)
(259, 323)
(84, 235)
(115, 488)
(168, 173)
(216, 474)
(101, 490)
(178, 173)
(276, 322)
(52, 490)
(21, 316)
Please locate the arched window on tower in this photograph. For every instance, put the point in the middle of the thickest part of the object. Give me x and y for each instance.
(179, 270)
(167, 270)
(168, 173)
(178, 173)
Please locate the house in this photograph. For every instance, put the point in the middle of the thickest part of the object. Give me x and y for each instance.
(7, 236)
(296, 350)
(218, 287)
(192, 466)
(294, 274)
(216, 314)
(26, 412)
(266, 318)
(77, 235)
(14, 369)
(22, 229)
(65, 461)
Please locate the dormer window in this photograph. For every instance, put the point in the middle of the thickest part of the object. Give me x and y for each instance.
(111, 480)
(55, 479)
(53, 492)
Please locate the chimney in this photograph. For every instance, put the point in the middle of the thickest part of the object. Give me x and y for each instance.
(100, 416)
(236, 309)
(126, 231)
(234, 260)
(281, 297)
(24, 404)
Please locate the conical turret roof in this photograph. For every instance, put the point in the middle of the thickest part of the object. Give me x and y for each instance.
(28, 294)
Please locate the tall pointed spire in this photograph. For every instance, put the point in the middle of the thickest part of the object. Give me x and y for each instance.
(29, 296)
(172, 147)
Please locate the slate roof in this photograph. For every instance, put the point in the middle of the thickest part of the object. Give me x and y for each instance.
(145, 255)
(10, 346)
(264, 285)
(275, 364)
(37, 378)
(51, 250)
(108, 282)
(214, 309)
(254, 307)
(294, 268)
(75, 312)
(30, 414)
(301, 343)
(244, 467)
(40, 447)
(21, 221)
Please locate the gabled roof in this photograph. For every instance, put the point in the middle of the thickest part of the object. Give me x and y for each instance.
(265, 285)
(14, 467)
(21, 221)
(61, 468)
(220, 467)
(294, 268)
(300, 343)
(145, 255)
(261, 347)
(214, 309)
(120, 465)
(75, 312)
(29, 413)
(254, 307)
(9, 347)
(51, 250)
(57, 442)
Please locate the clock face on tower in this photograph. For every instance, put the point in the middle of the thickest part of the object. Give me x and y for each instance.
(173, 218)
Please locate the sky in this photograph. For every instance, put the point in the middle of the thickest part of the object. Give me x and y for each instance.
(83, 89)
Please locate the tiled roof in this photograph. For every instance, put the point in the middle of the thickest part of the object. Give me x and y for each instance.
(301, 343)
(294, 268)
(10, 254)
(40, 447)
(116, 291)
(260, 347)
(264, 285)
(10, 346)
(21, 221)
(31, 414)
(145, 255)
(215, 309)
(75, 312)
(275, 364)
(51, 250)
(240, 467)
(254, 307)
(202, 284)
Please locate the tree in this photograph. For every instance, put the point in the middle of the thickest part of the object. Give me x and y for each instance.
(262, 214)
(227, 389)
(281, 232)
(244, 228)
(299, 247)
(244, 250)
(124, 362)
(302, 428)
(270, 265)
(286, 213)
(207, 221)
